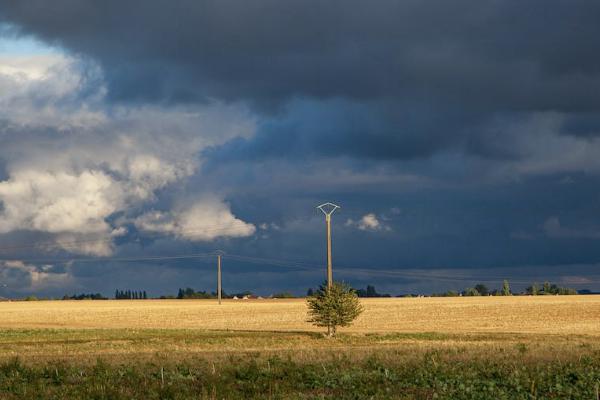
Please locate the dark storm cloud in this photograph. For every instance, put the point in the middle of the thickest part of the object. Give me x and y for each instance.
(534, 55)
(416, 76)
(341, 128)
(582, 124)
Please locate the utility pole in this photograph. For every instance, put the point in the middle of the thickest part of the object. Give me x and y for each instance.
(219, 254)
(328, 209)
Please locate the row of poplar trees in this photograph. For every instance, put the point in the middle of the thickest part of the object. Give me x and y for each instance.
(130, 294)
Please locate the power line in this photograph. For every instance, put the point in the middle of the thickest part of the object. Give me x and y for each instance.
(111, 259)
(368, 271)
(296, 265)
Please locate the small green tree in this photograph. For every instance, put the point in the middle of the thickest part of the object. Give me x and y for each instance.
(533, 290)
(450, 293)
(547, 289)
(371, 292)
(471, 292)
(333, 307)
(482, 289)
(506, 288)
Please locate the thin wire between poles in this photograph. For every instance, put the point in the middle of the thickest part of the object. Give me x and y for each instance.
(364, 271)
(290, 264)
(108, 259)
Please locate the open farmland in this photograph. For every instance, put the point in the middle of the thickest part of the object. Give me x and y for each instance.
(579, 315)
(511, 347)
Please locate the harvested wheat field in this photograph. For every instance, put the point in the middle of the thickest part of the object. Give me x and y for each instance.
(519, 314)
(405, 348)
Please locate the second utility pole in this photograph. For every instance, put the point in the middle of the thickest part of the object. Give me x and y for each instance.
(219, 276)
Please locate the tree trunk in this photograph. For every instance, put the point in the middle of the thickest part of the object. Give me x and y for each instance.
(331, 331)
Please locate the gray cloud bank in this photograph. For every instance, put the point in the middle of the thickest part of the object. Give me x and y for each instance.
(539, 55)
(415, 76)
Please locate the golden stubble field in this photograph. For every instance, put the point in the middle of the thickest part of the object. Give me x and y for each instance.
(525, 328)
(563, 315)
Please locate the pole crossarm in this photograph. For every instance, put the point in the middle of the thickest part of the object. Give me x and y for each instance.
(328, 208)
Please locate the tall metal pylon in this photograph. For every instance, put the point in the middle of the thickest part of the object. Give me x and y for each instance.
(328, 209)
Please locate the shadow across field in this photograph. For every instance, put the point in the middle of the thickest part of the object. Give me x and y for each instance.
(179, 344)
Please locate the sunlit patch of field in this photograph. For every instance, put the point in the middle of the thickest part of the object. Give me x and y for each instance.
(541, 326)
(578, 315)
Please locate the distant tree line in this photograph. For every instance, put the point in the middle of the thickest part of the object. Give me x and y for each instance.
(370, 291)
(189, 293)
(130, 294)
(477, 290)
(85, 296)
(283, 295)
(533, 290)
(548, 289)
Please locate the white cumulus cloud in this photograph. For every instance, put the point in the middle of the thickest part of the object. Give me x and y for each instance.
(368, 222)
(202, 221)
(70, 161)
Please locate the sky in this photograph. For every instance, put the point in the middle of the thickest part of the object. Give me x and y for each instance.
(461, 140)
